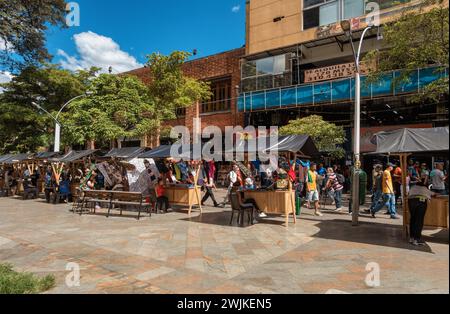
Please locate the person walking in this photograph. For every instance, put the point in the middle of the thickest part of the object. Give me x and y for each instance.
(312, 189)
(208, 187)
(334, 186)
(377, 187)
(438, 178)
(419, 197)
(388, 198)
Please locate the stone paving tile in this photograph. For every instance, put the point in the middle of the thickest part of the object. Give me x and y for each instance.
(174, 253)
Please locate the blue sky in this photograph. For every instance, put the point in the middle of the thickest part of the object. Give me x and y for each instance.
(122, 33)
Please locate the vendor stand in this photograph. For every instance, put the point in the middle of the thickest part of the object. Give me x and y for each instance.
(39, 162)
(116, 165)
(18, 163)
(178, 194)
(75, 162)
(293, 147)
(406, 142)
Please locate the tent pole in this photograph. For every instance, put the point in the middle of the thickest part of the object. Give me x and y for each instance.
(403, 165)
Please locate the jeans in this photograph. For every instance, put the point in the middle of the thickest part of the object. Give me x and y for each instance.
(418, 209)
(376, 199)
(388, 201)
(338, 199)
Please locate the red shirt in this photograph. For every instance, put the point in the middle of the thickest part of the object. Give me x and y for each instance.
(398, 175)
(160, 190)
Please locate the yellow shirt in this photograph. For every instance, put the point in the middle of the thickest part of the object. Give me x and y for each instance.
(312, 186)
(388, 188)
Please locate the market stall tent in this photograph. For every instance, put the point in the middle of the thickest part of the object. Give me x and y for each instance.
(302, 145)
(405, 142)
(125, 153)
(413, 141)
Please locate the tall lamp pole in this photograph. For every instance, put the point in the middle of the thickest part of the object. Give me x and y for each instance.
(57, 145)
(347, 28)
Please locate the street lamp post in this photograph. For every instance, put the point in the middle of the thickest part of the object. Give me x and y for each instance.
(347, 28)
(57, 146)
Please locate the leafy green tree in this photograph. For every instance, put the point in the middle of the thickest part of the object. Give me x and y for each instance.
(170, 89)
(23, 24)
(23, 128)
(328, 137)
(418, 39)
(119, 106)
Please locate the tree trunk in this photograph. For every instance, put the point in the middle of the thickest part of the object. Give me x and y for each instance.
(90, 144)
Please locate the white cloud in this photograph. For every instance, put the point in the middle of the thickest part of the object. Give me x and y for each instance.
(99, 51)
(5, 77)
(236, 8)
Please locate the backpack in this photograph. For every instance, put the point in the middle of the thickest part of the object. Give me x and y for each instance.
(341, 179)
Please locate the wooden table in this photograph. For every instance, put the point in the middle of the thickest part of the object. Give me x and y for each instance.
(437, 213)
(185, 196)
(274, 202)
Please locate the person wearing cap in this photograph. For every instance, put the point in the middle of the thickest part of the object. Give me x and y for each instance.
(312, 189)
(388, 199)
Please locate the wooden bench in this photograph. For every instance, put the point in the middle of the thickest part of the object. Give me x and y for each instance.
(129, 199)
(112, 200)
(94, 198)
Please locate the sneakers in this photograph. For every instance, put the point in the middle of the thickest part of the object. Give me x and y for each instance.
(418, 242)
(318, 214)
(262, 215)
(395, 217)
(340, 209)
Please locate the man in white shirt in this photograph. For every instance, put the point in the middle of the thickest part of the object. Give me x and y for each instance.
(438, 178)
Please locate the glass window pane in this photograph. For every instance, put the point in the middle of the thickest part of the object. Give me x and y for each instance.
(279, 64)
(329, 13)
(265, 82)
(353, 8)
(249, 69)
(249, 85)
(309, 3)
(264, 66)
(311, 18)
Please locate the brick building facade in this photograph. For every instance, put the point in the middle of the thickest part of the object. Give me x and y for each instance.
(224, 74)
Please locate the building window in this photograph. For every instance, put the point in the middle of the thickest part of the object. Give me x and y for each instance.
(324, 12)
(221, 97)
(353, 8)
(265, 73)
(181, 112)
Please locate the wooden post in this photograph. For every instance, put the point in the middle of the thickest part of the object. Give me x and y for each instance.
(403, 165)
(196, 190)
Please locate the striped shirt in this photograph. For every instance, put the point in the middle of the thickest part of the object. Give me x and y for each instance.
(334, 182)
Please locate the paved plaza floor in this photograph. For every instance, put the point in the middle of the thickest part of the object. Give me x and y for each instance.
(175, 253)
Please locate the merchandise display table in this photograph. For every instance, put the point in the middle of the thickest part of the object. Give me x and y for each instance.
(274, 202)
(184, 196)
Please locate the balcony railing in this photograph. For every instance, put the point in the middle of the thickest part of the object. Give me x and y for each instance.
(338, 91)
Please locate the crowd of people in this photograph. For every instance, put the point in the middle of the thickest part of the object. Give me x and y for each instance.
(312, 183)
